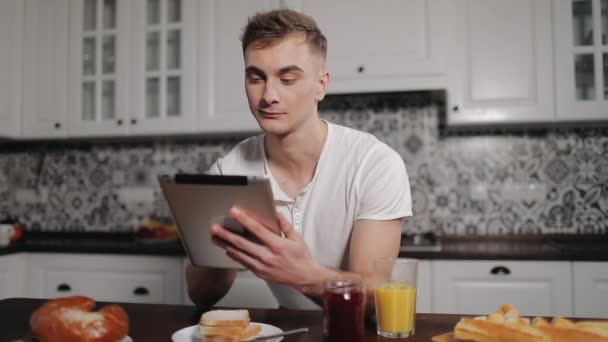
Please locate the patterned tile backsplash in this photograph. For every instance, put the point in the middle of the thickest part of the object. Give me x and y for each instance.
(485, 182)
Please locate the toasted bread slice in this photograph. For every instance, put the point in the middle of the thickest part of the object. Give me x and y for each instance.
(253, 330)
(207, 330)
(226, 318)
(220, 338)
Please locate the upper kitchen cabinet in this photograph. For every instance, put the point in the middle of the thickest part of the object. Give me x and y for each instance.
(501, 62)
(581, 57)
(45, 88)
(381, 45)
(99, 67)
(132, 67)
(11, 36)
(163, 66)
(222, 101)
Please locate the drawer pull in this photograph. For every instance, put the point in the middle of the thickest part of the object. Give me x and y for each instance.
(500, 270)
(141, 291)
(64, 288)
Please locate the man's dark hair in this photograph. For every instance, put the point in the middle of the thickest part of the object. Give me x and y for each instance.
(264, 28)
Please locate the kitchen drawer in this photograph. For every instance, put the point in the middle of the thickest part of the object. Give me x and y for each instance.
(104, 285)
(112, 278)
(480, 287)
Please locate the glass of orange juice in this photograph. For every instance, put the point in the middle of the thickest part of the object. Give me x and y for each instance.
(395, 296)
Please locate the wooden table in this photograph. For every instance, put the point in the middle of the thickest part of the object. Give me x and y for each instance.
(156, 322)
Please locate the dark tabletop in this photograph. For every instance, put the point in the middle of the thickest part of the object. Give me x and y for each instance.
(509, 247)
(155, 322)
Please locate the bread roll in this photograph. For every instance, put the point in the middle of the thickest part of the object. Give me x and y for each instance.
(71, 319)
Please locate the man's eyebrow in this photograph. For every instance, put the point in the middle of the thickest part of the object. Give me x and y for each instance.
(255, 70)
(290, 68)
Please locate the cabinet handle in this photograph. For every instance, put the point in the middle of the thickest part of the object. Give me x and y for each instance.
(141, 291)
(455, 108)
(64, 288)
(119, 122)
(361, 69)
(500, 270)
(57, 125)
(133, 121)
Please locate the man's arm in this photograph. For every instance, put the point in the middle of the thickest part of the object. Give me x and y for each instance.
(207, 285)
(371, 239)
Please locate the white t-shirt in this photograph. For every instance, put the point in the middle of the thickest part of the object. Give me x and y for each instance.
(357, 177)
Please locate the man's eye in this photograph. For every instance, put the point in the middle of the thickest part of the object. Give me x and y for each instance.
(288, 80)
(254, 79)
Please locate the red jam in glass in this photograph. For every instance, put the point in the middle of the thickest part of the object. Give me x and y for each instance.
(343, 310)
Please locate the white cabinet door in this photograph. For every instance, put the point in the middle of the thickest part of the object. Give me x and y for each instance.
(12, 275)
(222, 102)
(380, 45)
(590, 289)
(581, 59)
(99, 33)
(163, 66)
(424, 288)
(45, 105)
(11, 58)
(501, 62)
(480, 287)
(134, 279)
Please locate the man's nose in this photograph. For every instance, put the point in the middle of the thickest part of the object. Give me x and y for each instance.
(271, 94)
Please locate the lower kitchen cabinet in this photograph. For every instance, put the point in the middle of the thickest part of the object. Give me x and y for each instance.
(590, 289)
(424, 288)
(480, 287)
(12, 275)
(113, 278)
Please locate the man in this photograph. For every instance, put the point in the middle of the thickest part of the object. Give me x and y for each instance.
(341, 194)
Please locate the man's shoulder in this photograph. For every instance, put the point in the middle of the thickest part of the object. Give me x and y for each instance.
(359, 142)
(244, 158)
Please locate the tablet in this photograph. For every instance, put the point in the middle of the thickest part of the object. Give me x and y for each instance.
(197, 201)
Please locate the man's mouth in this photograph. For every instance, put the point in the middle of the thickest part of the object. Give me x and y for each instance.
(270, 114)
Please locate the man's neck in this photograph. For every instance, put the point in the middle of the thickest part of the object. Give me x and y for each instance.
(293, 158)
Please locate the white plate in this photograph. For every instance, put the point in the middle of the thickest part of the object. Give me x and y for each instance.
(127, 339)
(192, 333)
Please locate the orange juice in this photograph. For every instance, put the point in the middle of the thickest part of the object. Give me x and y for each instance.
(395, 307)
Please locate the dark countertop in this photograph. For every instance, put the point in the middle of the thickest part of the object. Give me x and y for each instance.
(157, 322)
(532, 247)
(103, 243)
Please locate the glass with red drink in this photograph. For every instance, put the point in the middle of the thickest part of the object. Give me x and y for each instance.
(343, 310)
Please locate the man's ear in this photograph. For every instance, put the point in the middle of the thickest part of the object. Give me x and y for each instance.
(322, 85)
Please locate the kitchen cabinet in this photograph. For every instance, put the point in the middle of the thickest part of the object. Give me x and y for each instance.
(480, 287)
(501, 62)
(222, 102)
(11, 56)
(45, 88)
(132, 67)
(12, 275)
(381, 46)
(581, 59)
(424, 288)
(590, 289)
(114, 278)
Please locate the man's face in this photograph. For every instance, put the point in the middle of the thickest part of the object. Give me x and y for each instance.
(284, 83)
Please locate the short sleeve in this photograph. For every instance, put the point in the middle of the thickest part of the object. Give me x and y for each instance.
(383, 187)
